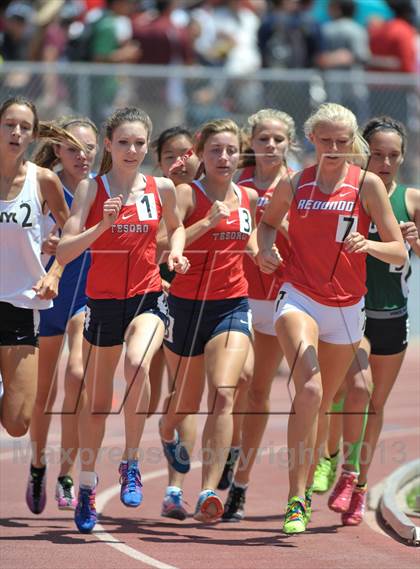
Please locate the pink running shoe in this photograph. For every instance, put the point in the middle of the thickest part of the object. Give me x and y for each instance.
(340, 497)
(356, 511)
(64, 493)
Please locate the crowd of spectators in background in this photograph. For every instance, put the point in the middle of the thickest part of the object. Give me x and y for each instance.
(239, 35)
(230, 39)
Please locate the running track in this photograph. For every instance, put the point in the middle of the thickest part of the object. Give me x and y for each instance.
(141, 538)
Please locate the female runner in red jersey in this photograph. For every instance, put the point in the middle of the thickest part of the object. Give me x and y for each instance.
(117, 215)
(176, 162)
(272, 135)
(319, 312)
(209, 326)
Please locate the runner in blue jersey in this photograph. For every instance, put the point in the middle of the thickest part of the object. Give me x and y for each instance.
(64, 321)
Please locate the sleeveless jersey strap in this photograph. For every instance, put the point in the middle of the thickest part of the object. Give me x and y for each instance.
(307, 176)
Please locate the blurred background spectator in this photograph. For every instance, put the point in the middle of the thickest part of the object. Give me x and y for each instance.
(393, 41)
(345, 46)
(289, 36)
(16, 32)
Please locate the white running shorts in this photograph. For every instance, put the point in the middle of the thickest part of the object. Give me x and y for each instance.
(337, 325)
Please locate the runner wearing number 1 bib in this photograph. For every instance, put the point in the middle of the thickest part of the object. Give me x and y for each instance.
(319, 316)
(117, 216)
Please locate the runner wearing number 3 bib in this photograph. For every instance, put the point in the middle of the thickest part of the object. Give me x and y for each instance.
(209, 330)
(319, 316)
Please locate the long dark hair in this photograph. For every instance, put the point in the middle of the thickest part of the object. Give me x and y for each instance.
(385, 124)
(118, 117)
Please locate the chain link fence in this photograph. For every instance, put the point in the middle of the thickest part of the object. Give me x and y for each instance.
(191, 95)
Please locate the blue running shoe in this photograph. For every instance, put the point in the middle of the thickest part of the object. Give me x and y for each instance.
(177, 455)
(173, 507)
(209, 507)
(131, 494)
(85, 513)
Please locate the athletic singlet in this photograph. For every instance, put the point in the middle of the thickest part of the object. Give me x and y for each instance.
(318, 265)
(387, 284)
(75, 273)
(123, 258)
(216, 271)
(21, 232)
(262, 286)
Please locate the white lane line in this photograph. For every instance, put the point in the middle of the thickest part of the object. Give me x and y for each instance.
(104, 497)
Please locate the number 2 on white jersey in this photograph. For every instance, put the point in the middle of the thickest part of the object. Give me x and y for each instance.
(346, 224)
(146, 207)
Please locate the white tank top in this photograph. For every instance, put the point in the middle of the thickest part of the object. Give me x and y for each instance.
(22, 227)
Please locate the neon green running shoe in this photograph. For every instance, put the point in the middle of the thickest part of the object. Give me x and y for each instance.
(295, 518)
(322, 475)
(308, 504)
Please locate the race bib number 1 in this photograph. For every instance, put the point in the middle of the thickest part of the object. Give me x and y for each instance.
(146, 207)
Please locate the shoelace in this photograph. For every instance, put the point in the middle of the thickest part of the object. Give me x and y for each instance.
(88, 502)
(36, 486)
(295, 510)
(324, 466)
(357, 502)
(67, 485)
(133, 479)
(176, 497)
(344, 481)
(236, 498)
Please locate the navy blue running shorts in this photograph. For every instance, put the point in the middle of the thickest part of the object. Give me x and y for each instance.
(106, 320)
(192, 323)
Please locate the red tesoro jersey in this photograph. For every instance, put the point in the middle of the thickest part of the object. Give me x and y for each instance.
(318, 224)
(262, 286)
(216, 271)
(124, 257)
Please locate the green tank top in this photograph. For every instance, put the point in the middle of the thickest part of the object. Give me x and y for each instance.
(387, 284)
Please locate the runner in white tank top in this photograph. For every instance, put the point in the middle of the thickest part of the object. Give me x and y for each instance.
(21, 228)
(27, 194)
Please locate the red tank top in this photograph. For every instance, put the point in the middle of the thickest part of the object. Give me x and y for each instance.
(124, 257)
(262, 286)
(216, 271)
(318, 224)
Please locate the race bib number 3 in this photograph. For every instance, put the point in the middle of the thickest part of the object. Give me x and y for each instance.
(146, 207)
(245, 223)
(346, 224)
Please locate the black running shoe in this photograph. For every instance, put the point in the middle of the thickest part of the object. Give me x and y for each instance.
(234, 507)
(228, 471)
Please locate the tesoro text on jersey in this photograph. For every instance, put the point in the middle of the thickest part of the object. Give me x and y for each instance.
(130, 228)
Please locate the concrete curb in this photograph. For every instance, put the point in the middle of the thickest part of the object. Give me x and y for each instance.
(389, 507)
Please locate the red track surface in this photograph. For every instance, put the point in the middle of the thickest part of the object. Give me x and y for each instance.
(51, 539)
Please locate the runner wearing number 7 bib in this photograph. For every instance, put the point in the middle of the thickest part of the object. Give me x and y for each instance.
(319, 316)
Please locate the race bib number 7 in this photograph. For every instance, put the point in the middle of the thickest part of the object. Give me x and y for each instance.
(346, 224)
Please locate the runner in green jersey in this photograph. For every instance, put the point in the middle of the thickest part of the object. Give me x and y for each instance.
(382, 352)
